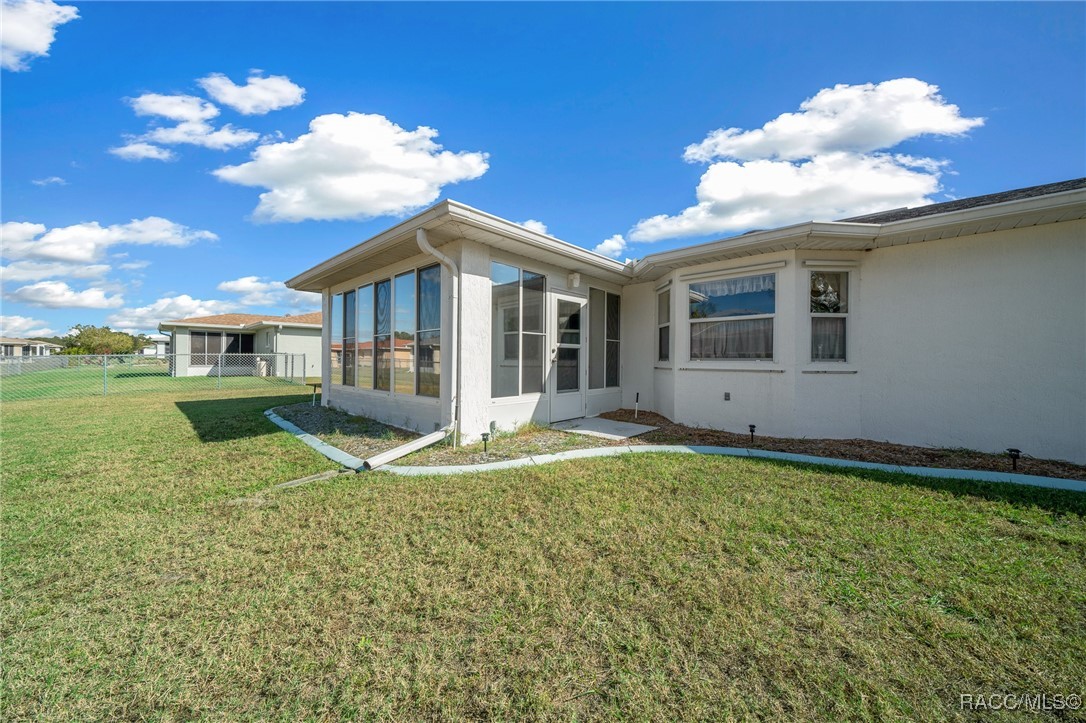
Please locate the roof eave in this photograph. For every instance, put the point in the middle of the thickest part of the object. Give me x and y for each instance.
(449, 210)
(308, 279)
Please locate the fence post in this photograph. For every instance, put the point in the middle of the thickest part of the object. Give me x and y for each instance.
(218, 382)
(105, 375)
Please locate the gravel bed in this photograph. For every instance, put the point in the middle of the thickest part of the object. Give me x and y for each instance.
(861, 450)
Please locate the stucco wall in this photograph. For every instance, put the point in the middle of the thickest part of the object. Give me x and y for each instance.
(978, 342)
(293, 340)
(975, 342)
(638, 344)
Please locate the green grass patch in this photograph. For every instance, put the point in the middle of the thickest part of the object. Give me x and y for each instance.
(150, 572)
(143, 377)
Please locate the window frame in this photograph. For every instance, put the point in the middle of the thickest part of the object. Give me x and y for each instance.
(691, 323)
(520, 332)
(812, 315)
(604, 340)
(419, 331)
(662, 324)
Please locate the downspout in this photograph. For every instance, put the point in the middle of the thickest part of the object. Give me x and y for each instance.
(454, 332)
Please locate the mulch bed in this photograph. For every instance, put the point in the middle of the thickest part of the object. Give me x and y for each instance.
(364, 438)
(359, 436)
(861, 450)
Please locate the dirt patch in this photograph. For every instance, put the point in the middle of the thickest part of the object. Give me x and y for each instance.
(861, 450)
(359, 436)
(525, 442)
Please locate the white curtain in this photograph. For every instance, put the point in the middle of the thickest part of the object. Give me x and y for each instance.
(737, 339)
(828, 338)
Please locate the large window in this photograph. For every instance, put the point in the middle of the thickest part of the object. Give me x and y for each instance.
(388, 334)
(663, 326)
(829, 315)
(518, 331)
(603, 345)
(206, 346)
(403, 356)
(364, 346)
(382, 335)
(336, 340)
(428, 336)
(350, 329)
(733, 318)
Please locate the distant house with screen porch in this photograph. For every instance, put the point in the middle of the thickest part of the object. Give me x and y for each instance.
(196, 343)
(10, 347)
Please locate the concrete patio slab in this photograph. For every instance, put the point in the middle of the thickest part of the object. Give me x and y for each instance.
(603, 428)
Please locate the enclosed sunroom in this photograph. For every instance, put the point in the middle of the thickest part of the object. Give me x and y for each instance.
(457, 316)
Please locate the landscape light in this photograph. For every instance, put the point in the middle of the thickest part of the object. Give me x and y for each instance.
(752, 428)
(1014, 454)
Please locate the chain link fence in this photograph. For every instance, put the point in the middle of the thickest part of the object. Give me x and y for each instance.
(52, 377)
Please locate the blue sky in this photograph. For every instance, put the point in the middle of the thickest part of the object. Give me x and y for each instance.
(139, 139)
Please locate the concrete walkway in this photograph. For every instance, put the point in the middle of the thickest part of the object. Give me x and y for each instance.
(354, 463)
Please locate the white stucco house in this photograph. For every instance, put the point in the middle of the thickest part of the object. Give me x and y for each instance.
(959, 324)
(159, 346)
(11, 347)
(197, 342)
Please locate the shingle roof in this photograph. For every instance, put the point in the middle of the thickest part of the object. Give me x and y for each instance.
(10, 340)
(247, 319)
(900, 214)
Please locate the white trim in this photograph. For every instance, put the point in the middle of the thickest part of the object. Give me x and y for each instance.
(734, 271)
(830, 263)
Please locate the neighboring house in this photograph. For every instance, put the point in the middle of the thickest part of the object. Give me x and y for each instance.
(959, 324)
(26, 347)
(159, 346)
(197, 342)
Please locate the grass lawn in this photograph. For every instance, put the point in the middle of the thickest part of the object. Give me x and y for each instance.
(149, 572)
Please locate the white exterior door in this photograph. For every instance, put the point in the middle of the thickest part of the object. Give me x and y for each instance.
(566, 380)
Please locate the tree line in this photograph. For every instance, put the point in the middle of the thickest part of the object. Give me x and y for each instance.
(88, 339)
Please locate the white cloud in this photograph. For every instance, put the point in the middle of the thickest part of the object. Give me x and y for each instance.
(253, 291)
(181, 108)
(134, 265)
(352, 166)
(766, 194)
(20, 327)
(827, 161)
(29, 28)
(38, 270)
(613, 247)
(258, 96)
(58, 295)
(145, 318)
(533, 225)
(87, 242)
(197, 133)
(192, 115)
(853, 118)
(50, 181)
(139, 150)
(257, 291)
